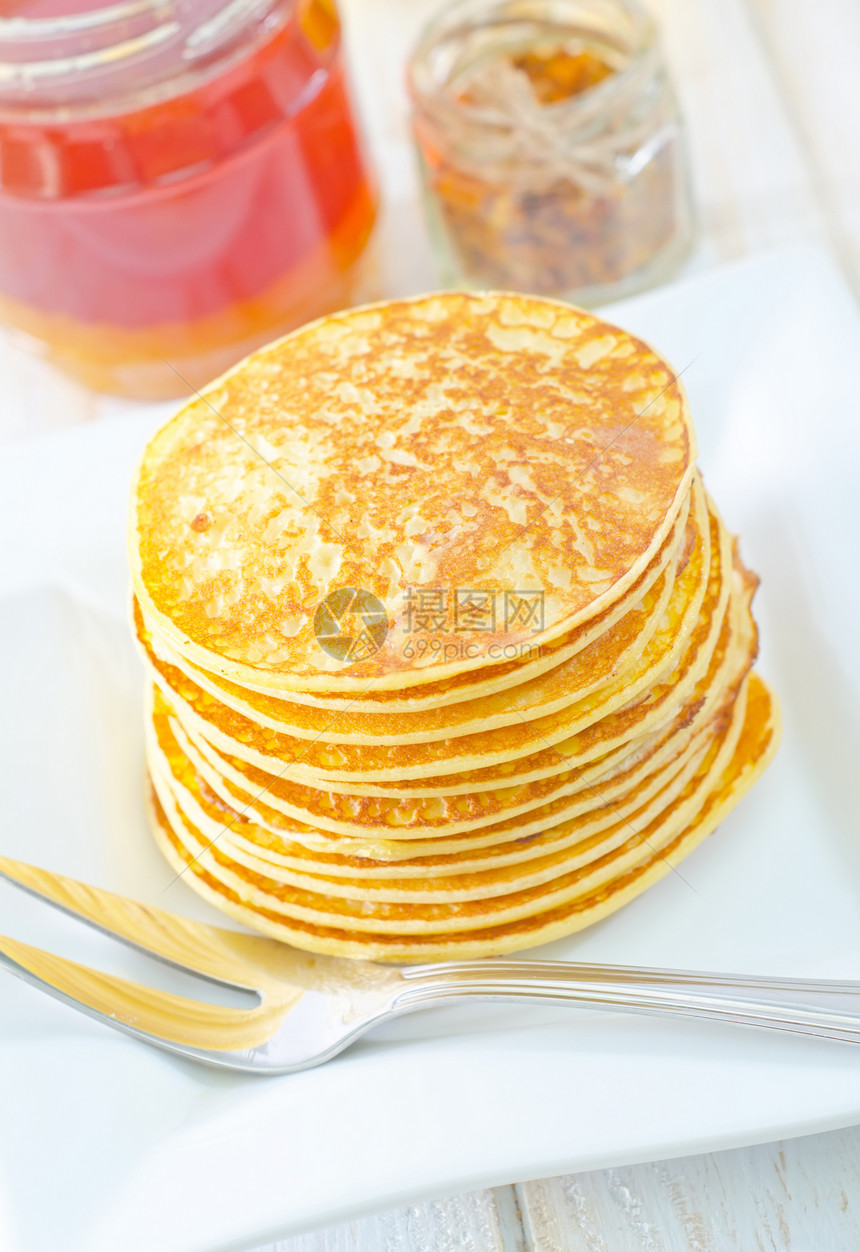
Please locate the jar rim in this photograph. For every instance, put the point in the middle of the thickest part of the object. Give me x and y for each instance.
(36, 28)
(40, 55)
(461, 17)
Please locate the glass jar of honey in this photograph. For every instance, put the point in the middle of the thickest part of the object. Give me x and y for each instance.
(180, 180)
(551, 148)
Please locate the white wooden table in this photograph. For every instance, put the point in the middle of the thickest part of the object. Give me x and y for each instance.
(771, 94)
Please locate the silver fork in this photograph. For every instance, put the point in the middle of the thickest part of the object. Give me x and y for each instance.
(312, 1007)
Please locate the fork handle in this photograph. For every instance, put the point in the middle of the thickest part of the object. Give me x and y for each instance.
(823, 1008)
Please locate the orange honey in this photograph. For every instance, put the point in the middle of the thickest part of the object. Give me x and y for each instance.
(163, 211)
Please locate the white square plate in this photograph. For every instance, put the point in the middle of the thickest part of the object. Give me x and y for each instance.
(107, 1144)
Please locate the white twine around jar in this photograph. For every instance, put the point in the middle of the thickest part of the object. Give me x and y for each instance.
(505, 134)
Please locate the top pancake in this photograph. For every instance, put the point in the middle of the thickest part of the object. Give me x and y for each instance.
(452, 443)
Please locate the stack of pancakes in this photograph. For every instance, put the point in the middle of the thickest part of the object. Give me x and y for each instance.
(449, 650)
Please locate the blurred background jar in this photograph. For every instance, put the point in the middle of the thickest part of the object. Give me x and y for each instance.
(551, 148)
(180, 181)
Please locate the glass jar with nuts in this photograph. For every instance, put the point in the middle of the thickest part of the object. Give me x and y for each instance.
(551, 147)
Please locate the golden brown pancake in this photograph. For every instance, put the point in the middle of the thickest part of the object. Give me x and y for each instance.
(491, 897)
(590, 896)
(684, 622)
(486, 817)
(575, 678)
(365, 777)
(455, 876)
(362, 840)
(489, 680)
(612, 709)
(529, 776)
(448, 442)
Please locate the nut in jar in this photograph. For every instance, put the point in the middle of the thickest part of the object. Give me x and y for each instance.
(551, 147)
